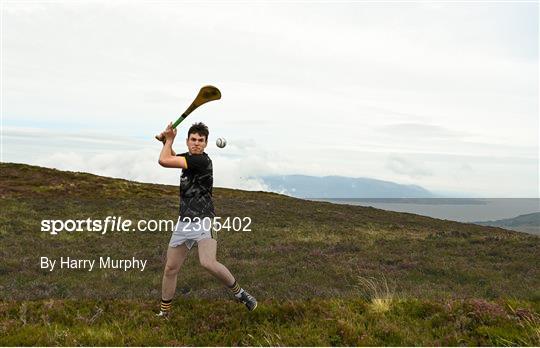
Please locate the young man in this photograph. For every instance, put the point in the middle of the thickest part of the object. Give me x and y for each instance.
(195, 205)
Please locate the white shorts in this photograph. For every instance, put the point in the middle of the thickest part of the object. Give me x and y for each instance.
(192, 231)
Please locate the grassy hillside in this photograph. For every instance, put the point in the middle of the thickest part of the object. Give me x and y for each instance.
(324, 273)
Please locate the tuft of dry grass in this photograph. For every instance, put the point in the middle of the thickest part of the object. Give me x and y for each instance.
(377, 292)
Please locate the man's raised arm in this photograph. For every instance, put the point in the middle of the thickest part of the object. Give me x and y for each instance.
(167, 157)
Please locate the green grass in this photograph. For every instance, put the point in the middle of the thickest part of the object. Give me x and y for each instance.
(326, 274)
(312, 322)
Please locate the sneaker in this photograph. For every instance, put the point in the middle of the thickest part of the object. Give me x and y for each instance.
(248, 300)
(162, 314)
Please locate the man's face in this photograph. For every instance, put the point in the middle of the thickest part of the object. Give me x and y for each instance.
(196, 143)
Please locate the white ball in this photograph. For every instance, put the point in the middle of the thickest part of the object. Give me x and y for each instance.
(221, 142)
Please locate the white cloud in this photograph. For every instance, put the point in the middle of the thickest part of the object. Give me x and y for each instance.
(242, 161)
(129, 158)
(142, 166)
(308, 88)
(413, 130)
(402, 166)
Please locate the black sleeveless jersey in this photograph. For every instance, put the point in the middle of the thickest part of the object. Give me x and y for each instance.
(196, 185)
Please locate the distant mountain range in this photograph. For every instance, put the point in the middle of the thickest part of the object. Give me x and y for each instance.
(529, 223)
(304, 186)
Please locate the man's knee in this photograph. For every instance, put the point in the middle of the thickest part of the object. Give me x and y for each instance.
(208, 264)
(171, 269)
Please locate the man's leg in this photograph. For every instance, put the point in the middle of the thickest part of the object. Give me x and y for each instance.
(175, 259)
(207, 256)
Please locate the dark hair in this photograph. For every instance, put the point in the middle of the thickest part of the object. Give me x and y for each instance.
(199, 128)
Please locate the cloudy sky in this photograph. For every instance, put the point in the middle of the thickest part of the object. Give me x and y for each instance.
(439, 94)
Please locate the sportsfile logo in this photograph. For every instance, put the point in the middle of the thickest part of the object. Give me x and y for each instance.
(109, 224)
(119, 224)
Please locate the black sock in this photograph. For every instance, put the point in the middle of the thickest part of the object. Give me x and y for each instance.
(236, 289)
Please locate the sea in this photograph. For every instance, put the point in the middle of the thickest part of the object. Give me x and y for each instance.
(456, 209)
